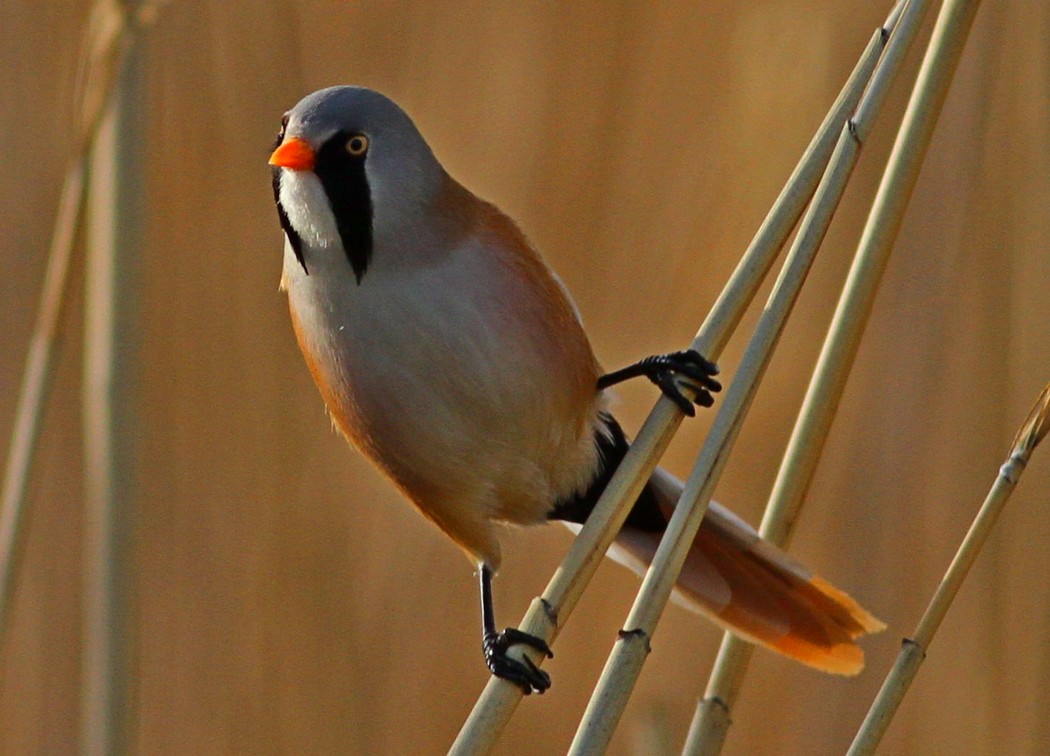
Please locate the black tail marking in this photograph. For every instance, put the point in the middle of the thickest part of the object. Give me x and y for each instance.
(645, 514)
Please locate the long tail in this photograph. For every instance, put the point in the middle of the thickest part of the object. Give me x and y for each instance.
(749, 586)
(743, 583)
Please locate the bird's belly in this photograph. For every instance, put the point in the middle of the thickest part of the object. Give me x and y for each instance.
(450, 402)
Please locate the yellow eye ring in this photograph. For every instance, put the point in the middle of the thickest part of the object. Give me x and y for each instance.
(357, 145)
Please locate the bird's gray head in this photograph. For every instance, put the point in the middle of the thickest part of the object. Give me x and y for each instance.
(350, 165)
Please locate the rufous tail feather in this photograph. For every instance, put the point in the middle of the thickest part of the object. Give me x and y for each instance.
(754, 589)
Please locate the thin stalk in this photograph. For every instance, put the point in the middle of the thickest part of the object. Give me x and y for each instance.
(712, 719)
(36, 385)
(114, 247)
(549, 612)
(115, 215)
(913, 651)
(109, 33)
(625, 662)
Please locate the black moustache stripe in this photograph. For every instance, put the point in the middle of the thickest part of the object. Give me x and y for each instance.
(346, 184)
(293, 236)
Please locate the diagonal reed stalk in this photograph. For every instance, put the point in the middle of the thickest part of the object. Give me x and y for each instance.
(36, 384)
(109, 33)
(712, 719)
(632, 646)
(913, 650)
(547, 613)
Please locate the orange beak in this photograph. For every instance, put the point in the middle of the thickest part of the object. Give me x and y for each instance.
(295, 154)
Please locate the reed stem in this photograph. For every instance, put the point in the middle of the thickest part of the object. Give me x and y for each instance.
(546, 614)
(625, 662)
(914, 649)
(712, 719)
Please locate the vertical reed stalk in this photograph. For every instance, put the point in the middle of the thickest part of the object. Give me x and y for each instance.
(116, 227)
(112, 26)
(108, 36)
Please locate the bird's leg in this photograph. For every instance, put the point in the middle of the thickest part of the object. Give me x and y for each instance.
(524, 673)
(661, 369)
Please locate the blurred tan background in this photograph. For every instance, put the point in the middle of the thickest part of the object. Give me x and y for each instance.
(287, 601)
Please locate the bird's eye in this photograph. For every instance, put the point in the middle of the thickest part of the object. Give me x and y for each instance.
(357, 145)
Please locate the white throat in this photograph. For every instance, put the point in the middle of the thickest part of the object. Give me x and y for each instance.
(304, 200)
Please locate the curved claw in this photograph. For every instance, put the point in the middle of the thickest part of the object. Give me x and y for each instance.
(692, 366)
(525, 674)
(665, 380)
(695, 370)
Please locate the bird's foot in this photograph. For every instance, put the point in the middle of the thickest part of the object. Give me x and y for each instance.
(525, 674)
(696, 371)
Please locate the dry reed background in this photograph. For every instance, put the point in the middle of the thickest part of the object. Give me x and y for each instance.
(288, 602)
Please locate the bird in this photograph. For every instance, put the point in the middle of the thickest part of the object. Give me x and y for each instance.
(454, 358)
